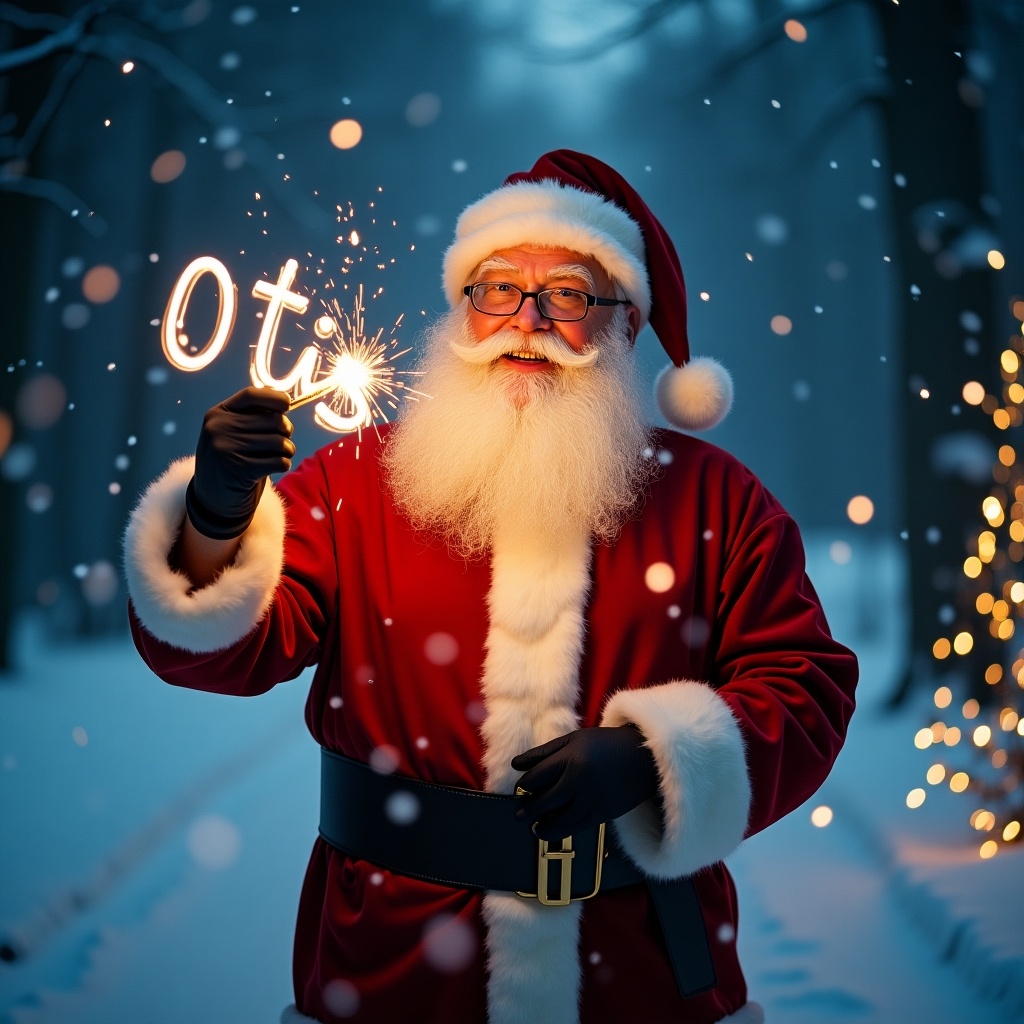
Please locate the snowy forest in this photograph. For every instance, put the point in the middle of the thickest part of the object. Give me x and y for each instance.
(842, 181)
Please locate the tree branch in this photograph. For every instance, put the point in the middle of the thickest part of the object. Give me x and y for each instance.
(766, 34)
(647, 18)
(54, 95)
(31, 22)
(58, 194)
(840, 107)
(63, 38)
(210, 106)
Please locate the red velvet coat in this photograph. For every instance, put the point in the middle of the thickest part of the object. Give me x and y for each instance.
(397, 628)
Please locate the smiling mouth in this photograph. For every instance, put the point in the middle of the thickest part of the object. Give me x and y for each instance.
(524, 357)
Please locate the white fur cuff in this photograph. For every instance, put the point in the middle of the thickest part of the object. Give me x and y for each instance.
(290, 1015)
(748, 1013)
(220, 614)
(702, 767)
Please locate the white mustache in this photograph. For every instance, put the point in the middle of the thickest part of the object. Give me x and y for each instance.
(551, 347)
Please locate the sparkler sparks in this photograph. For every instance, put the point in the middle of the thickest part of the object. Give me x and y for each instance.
(361, 372)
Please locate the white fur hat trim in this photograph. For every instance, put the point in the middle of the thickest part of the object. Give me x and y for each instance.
(549, 214)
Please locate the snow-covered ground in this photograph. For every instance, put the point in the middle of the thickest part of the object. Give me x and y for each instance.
(153, 840)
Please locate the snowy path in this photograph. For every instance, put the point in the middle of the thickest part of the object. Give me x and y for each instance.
(822, 941)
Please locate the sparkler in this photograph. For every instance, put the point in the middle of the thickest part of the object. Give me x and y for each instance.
(361, 369)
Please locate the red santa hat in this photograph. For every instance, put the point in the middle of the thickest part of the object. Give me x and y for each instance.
(573, 201)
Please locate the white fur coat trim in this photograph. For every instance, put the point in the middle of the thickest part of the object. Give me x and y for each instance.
(530, 688)
(705, 789)
(220, 614)
(750, 1013)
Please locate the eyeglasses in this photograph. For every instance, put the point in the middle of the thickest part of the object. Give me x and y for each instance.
(495, 298)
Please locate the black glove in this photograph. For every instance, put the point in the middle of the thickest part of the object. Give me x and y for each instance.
(243, 439)
(583, 778)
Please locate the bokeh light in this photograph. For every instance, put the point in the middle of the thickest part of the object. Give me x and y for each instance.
(101, 283)
(959, 782)
(6, 431)
(449, 944)
(795, 30)
(423, 109)
(341, 997)
(840, 552)
(213, 842)
(973, 393)
(659, 577)
(40, 401)
(860, 509)
(821, 816)
(781, 324)
(346, 133)
(402, 807)
(441, 648)
(100, 583)
(167, 166)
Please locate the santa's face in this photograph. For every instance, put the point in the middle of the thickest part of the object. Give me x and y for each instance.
(518, 447)
(534, 268)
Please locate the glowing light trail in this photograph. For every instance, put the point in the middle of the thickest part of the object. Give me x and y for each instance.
(176, 345)
(347, 382)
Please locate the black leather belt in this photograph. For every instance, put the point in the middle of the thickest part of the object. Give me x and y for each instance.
(468, 839)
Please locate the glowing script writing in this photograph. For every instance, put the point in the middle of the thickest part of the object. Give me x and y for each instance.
(343, 382)
(176, 345)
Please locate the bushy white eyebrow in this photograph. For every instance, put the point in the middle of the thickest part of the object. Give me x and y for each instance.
(499, 263)
(573, 270)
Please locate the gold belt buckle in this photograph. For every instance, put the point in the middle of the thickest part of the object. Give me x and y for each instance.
(564, 856)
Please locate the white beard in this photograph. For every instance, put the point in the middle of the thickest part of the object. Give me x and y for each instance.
(533, 455)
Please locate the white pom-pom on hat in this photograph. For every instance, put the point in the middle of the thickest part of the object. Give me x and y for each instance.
(696, 396)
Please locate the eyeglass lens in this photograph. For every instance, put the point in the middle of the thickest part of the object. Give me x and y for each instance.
(555, 303)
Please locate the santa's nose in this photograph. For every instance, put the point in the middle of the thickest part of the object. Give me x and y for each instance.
(529, 318)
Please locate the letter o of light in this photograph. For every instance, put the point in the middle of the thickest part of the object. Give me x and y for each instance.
(178, 303)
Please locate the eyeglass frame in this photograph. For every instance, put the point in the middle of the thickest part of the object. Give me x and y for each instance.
(592, 300)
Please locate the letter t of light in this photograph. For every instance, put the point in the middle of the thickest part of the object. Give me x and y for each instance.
(280, 297)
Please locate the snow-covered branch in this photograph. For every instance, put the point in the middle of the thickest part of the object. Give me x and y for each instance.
(64, 33)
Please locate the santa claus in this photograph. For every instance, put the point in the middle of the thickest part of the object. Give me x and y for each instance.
(531, 615)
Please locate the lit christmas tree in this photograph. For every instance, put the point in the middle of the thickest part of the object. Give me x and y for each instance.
(991, 720)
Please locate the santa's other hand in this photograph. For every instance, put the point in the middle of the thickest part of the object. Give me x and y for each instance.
(578, 780)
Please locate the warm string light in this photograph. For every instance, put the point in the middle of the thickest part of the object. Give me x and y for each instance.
(992, 727)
